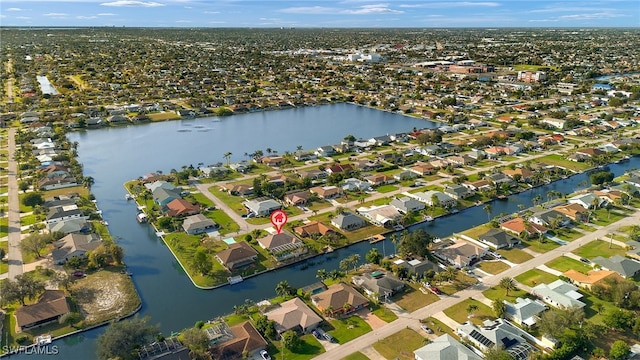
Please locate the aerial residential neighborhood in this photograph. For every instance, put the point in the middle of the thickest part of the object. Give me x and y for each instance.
(423, 194)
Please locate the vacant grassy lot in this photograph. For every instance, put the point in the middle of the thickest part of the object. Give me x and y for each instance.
(234, 202)
(184, 246)
(400, 345)
(540, 247)
(458, 312)
(516, 256)
(413, 299)
(568, 234)
(162, 116)
(356, 356)
(534, 277)
(604, 217)
(461, 282)
(308, 348)
(475, 232)
(599, 248)
(560, 160)
(80, 190)
(493, 267)
(386, 188)
(221, 218)
(497, 292)
(438, 327)
(345, 330)
(564, 263)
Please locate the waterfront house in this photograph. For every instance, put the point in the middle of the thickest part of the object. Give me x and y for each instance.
(210, 171)
(237, 255)
(382, 215)
(559, 294)
(521, 227)
(519, 174)
(70, 226)
(458, 192)
(348, 221)
(65, 212)
(339, 299)
(241, 167)
(418, 266)
(627, 268)
(297, 198)
(162, 196)
(445, 347)
(498, 239)
(272, 160)
(441, 198)
(305, 156)
(547, 217)
(406, 204)
(277, 243)
(497, 333)
(497, 179)
(313, 229)
(573, 211)
(589, 152)
(197, 224)
(326, 192)
(294, 315)
(379, 284)
(325, 151)
(262, 206)
(610, 196)
(460, 254)
(57, 182)
(479, 185)
(244, 341)
(524, 311)
(49, 308)
(74, 244)
(181, 207)
(587, 201)
(588, 280)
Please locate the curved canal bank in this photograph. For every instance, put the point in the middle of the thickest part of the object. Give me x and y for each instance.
(167, 294)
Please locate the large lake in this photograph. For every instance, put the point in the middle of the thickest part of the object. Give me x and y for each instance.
(115, 155)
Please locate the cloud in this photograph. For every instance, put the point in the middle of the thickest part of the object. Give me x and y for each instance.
(14, 9)
(132, 3)
(217, 22)
(362, 10)
(56, 15)
(82, 17)
(444, 5)
(23, 17)
(212, 12)
(591, 16)
(183, 21)
(107, 14)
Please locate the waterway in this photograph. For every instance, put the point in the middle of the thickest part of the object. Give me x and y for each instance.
(112, 157)
(45, 86)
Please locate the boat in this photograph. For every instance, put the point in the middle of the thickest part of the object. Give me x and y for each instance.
(42, 340)
(398, 227)
(235, 279)
(128, 196)
(502, 197)
(142, 218)
(625, 158)
(376, 238)
(428, 218)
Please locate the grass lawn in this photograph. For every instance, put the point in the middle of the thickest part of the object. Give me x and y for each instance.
(4, 226)
(461, 282)
(585, 227)
(163, 116)
(383, 313)
(80, 190)
(4, 267)
(458, 312)
(345, 330)
(356, 356)
(563, 263)
(599, 248)
(540, 247)
(318, 205)
(567, 234)
(493, 267)
(498, 293)
(184, 246)
(227, 225)
(234, 202)
(386, 188)
(29, 219)
(200, 198)
(308, 348)
(351, 236)
(413, 299)
(477, 231)
(400, 345)
(534, 277)
(514, 255)
(560, 160)
(605, 218)
(438, 327)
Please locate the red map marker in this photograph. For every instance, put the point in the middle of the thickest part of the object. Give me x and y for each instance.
(278, 219)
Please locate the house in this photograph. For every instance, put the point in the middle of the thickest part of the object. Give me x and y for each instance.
(379, 179)
(294, 315)
(445, 347)
(272, 160)
(245, 341)
(627, 268)
(498, 239)
(524, 311)
(382, 215)
(589, 152)
(297, 198)
(237, 189)
(497, 333)
(407, 205)
(573, 211)
(210, 171)
(610, 196)
(313, 229)
(547, 217)
(497, 179)
(49, 308)
(559, 294)
(521, 227)
(418, 266)
(353, 184)
(305, 156)
(160, 184)
(262, 206)
(461, 160)
(277, 243)
(241, 167)
(70, 226)
(634, 249)
(422, 168)
(181, 207)
(460, 254)
(592, 277)
(312, 174)
(479, 185)
(57, 182)
(339, 299)
(519, 174)
(65, 212)
(326, 192)
(587, 201)
(325, 151)
(405, 175)
(458, 192)
(198, 224)
(237, 255)
(167, 349)
(348, 221)
(556, 123)
(162, 196)
(74, 245)
(428, 198)
(337, 168)
(378, 284)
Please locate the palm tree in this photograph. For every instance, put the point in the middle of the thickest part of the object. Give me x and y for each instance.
(321, 274)
(536, 200)
(284, 289)
(471, 309)
(88, 182)
(499, 308)
(394, 240)
(450, 273)
(227, 156)
(507, 284)
(487, 208)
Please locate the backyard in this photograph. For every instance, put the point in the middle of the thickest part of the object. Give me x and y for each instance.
(413, 299)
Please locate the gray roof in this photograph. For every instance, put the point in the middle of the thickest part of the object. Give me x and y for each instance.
(197, 221)
(498, 238)
(499, 333)
(261, 206)
(381, 284)
(524, 310)
(445, 347)
(407, 204)
(70, 226)
(624, 266)
(74, 242)
(561, 293)
(346, 220)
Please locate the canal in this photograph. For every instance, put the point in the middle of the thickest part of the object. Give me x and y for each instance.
(168, 296)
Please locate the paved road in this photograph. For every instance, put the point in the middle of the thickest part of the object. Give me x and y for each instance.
(411, 319)
(13, 212)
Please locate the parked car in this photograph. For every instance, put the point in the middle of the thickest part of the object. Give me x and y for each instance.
(426, 329)
(435, 290)
(264, 355)
(317, 335)
(585, 260)
(330, 338)
(78, 273)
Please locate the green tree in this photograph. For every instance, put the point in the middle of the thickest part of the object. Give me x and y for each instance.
(197, 341)
(472, 308)
(290, 340)
(32, 199)
(619, 319)
(122, 338)
(321, 274)
(619, 350)
(201, 262)
(266, 327)
(284, 289)
(23, 186)
(35, 243)
(415, 243)
(507, 284)
(373, 256)
(488, 208)
(21, 288)
(498, 353)
(499, 307)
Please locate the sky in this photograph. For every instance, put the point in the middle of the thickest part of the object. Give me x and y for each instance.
(321, 13)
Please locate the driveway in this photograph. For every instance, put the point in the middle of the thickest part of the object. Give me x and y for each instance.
(372, 319)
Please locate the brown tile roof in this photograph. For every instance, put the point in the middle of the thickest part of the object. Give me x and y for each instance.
(312, 228)
(337, 295)
(178, 207)
(246, 339)
(274, 240)
(293, 313)
(236, 252)
(52, 303)
(592, 277)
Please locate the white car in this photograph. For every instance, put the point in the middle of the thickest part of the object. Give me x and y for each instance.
(264, 355)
